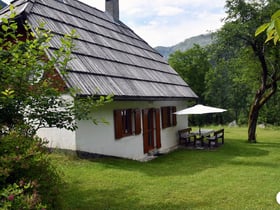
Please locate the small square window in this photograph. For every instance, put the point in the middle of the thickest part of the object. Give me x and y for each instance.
(127, 122)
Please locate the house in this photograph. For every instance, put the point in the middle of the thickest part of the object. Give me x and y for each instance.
(111, 59)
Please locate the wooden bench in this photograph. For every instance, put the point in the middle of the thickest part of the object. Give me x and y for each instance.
(185, 136)
(219, 134)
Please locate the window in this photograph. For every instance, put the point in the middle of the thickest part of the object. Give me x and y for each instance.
(168, 119)
(127, 122)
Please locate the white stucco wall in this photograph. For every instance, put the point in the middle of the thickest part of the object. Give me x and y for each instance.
(100, 139)
(59, 138)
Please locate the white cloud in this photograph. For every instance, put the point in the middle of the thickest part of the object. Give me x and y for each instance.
(168, 22)
(169, 11)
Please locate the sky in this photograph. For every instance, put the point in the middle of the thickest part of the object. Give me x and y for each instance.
(168, 22)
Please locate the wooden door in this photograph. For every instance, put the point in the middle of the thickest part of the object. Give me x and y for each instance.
(151, 129)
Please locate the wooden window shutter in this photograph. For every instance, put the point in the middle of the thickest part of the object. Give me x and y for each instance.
(128, 121)
(174, 116)
(158, 138)
(118, 124)
(137, 121)
(164, 117)
(145, 130)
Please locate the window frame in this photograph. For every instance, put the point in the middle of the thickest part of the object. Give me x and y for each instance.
(168, 119)
(127, 122)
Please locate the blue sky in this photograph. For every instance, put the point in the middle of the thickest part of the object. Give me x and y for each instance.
(168, 22)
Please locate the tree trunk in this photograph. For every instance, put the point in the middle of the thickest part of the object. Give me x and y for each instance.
(262, 96)
(267, 89)
(252, 123)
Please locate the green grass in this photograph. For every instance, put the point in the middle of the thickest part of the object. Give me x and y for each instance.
(237, 175)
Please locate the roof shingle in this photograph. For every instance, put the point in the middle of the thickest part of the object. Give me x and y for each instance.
(109, 58)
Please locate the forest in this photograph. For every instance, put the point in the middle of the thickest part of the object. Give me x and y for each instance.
(238, 71)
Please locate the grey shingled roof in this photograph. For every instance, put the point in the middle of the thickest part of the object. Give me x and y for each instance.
(109, 57)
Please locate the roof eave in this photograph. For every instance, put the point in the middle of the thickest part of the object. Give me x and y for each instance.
(148, 98)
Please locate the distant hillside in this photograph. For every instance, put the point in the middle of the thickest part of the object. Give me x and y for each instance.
(202, 40)
(2, 4)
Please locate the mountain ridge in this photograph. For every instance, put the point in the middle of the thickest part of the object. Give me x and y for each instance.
(202, 40)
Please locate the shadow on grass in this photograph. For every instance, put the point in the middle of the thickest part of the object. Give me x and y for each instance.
(187, 162)
(128, 192)
(181, 163)
(120, 199)
(269, 144)
(176, 180)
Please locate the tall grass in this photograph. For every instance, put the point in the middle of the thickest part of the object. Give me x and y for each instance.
(237, 175)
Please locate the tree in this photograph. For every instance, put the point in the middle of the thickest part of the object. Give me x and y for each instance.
(230, 82)
(239, 30)
(192, 65)
(272, 28)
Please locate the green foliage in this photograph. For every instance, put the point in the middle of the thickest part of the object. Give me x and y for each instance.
(32, 96)
(250, 65)
(272, 28)
(231, 81)
(240, 71)
(192, 65)
(28, 93)
(21, 196)
(28, 180)
(243, 19)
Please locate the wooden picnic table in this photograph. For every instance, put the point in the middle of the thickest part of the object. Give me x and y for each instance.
(201, 134)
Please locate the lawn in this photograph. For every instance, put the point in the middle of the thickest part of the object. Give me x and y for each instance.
(237, 175)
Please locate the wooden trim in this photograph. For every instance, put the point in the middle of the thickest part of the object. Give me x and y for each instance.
(158, 137)
(137, 123)
(164, 117)
(118, 124)
(174, 116)
(145, 130)
(168, 119)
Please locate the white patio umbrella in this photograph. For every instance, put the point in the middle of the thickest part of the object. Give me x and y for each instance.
(199, 109)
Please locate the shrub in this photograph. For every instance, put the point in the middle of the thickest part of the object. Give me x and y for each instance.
(28, 180)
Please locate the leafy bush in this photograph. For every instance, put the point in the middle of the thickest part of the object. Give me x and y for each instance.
(28, 180)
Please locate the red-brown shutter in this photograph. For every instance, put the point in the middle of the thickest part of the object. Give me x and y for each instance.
(164, 117)
(158, 139)
(174, 116)
(145, 130)
(118, 124)
(128, 121)
(137, 121)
